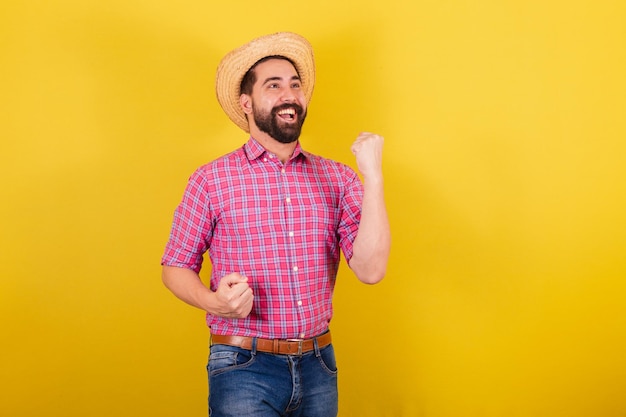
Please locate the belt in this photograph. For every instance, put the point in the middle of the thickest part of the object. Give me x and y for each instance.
(275, 346)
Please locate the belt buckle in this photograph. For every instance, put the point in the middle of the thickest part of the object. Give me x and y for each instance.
(300, 341)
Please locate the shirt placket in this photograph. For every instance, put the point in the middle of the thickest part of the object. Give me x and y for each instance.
(294, 264)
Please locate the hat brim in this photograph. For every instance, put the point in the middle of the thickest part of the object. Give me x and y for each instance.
(236, 63)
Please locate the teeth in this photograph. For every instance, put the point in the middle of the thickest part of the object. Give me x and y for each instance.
(287, 111)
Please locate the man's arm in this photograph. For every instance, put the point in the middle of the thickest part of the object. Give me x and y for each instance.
(372, 243)
(233, 298)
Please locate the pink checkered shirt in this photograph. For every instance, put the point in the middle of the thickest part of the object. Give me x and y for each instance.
(280, 225)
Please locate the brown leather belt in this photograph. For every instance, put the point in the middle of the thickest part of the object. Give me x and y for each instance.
(275, 346)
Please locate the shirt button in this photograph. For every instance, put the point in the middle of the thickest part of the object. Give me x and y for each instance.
(301, 335)
(288, 200)
(264, 159)
(295, 269)
(299, 302)
(290, 234)
(282, 170)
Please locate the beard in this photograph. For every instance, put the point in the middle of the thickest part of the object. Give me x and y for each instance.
(272, 124)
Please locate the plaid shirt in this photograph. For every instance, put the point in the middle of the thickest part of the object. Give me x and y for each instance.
(281, 225)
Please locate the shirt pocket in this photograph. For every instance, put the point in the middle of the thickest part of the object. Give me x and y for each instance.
(318, 225)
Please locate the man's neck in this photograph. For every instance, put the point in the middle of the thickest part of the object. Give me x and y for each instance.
(283, 151)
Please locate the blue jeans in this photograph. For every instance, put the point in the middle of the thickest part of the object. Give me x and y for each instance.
(249, 383)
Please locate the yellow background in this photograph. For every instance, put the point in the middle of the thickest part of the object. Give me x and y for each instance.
(506, 186)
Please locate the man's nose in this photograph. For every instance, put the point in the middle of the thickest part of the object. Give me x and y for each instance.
(288, 96)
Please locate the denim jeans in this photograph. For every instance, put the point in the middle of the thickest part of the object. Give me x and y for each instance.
(249, 383)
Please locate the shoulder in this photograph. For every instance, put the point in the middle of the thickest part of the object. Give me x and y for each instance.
(330, 166)
(221, 166)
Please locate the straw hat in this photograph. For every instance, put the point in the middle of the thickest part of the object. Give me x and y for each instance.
(236, 63)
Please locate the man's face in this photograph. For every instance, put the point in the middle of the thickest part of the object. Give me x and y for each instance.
(278, 103)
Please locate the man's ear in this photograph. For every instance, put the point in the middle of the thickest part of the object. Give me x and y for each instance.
(245, 101)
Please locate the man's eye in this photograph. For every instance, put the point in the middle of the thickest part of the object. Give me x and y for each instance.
(295, 85)
(273, 86)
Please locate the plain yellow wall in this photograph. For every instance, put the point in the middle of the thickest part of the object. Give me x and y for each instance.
(506, 185)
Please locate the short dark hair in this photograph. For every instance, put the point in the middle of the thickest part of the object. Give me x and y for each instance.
(249, 77)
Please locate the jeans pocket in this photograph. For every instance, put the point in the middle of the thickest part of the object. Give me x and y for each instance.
(225, 358)
(327, 359)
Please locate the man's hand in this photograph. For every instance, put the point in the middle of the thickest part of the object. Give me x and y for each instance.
(368, 149)
(233, 297)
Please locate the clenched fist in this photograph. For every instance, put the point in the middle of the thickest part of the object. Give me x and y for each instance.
(233, 296)
(368, 149)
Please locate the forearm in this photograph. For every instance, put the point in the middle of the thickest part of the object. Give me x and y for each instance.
(372, 244)
(232, 299)
(187, 285)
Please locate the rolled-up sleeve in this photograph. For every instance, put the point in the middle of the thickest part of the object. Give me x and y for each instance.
(192, 227)
(351, 202)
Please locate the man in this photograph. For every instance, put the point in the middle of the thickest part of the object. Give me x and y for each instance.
(274, 219)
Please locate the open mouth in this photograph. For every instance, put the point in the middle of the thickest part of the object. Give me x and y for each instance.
(288, 114)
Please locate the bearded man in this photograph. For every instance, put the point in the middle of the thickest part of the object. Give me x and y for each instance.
(275, 220)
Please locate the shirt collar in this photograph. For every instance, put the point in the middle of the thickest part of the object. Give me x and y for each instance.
(255, 150)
